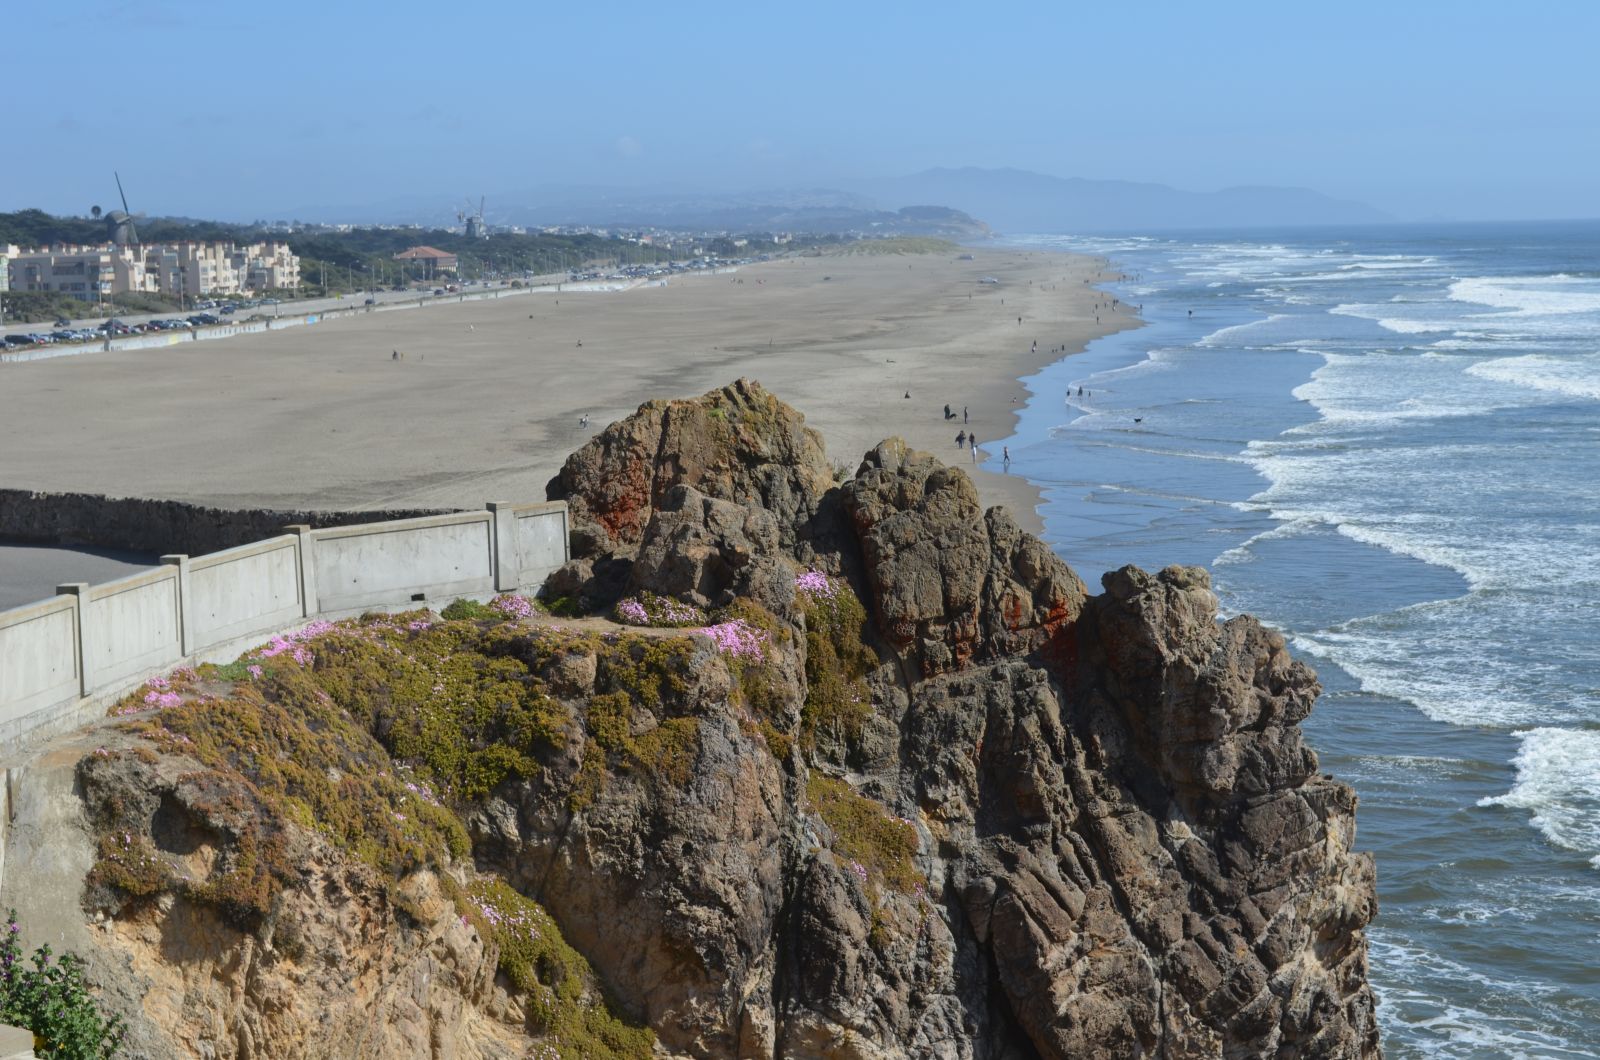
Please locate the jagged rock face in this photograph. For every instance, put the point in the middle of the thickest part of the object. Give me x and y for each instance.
(739, 444)
(1127, 843)
(951, 583)
(336, 970)
(1068, 826)
(709, 552)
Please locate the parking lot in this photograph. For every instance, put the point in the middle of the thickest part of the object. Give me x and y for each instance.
(204, 313)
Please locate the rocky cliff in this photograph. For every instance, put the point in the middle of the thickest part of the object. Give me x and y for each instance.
(863, 771)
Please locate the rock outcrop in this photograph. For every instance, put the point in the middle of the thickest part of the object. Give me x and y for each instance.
(943, 802)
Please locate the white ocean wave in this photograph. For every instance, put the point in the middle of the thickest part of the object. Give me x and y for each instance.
(1558, 782)
(1226, 336)
(1530, 295)
(1570, 377)
(1420, 1000)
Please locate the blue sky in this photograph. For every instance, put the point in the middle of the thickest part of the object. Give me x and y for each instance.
(1471, 110)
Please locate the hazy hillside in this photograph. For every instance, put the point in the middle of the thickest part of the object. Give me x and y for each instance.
(1014, 200)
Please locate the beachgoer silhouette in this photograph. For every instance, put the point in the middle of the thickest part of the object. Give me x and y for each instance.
(947, 412)
(395, 356)
(908, 395)
(1005, 455)
(961, 439)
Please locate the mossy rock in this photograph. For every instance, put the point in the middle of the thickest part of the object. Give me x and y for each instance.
(879, 846)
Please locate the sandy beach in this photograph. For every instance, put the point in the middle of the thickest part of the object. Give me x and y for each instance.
(486, 401)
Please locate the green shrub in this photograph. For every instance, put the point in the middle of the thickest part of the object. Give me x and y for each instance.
(469, 610)
(54, 1002)
(563, 606)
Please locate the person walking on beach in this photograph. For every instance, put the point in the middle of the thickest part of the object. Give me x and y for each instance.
(964, 418)
(961, 440)
(947, 412)
(974, 440)
(1005, 455)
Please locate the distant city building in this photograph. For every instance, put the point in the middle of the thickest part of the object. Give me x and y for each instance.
(7, 252)
(430, 260)
(86, 273)
(96, 273)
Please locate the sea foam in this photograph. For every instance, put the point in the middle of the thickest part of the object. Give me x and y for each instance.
(1558, 781)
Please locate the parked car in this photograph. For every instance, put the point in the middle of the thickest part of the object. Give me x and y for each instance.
(370, 301)
(63, 322)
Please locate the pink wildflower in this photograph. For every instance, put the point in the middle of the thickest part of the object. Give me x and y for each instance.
(737, 638)
(632, 612)
(512, 606)
(816, 585)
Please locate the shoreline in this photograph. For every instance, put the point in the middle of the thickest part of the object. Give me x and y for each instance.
(486, 400)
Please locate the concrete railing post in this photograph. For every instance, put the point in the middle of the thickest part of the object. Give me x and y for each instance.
(507, 558)
(78, 590)
(306, 557)
(185, 611)
(16, 1043)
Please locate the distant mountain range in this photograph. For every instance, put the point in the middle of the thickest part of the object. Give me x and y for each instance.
(970, 201)
(1015, 200)
(811, 210)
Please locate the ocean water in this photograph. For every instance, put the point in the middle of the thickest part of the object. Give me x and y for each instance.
(1386, 443)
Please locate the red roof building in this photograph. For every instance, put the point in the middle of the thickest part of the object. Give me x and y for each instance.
(432, 259)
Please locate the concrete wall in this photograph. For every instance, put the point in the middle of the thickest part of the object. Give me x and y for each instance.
(154, 527)
(409, 561)
(39, 662)
(234, 593)
(62, 659)
(16, 1043)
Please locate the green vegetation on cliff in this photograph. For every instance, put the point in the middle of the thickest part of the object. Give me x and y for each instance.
(838, 660)
(51, 997)
(380, 735)
(880, 847)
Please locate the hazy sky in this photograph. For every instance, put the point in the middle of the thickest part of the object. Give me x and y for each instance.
(1473, 110)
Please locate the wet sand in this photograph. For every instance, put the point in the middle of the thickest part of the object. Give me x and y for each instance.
(486, 403)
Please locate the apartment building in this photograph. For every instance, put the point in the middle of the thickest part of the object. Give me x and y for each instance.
(190, 269)
(87, 273)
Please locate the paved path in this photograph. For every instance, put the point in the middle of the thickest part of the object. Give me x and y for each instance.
(29, 573)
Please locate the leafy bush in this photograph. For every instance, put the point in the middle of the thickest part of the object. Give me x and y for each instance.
(54, 1002)
(469, 610)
